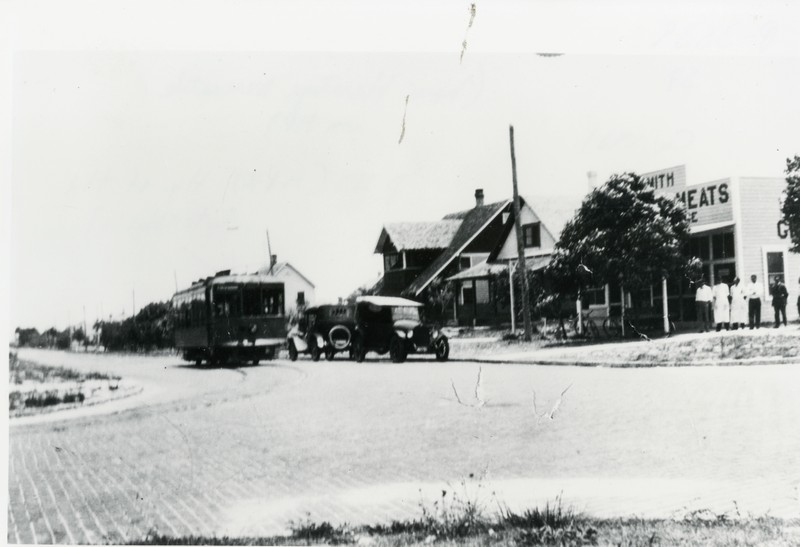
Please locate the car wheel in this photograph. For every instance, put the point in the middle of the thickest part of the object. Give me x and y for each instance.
(442, 349)
(397, 350)
(292, 351)
(315, 352)
(329, 353)
(359, 351)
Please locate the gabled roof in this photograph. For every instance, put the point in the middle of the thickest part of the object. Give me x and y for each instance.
(554, 210)
(407, 236)
(279, 268)
(473, 221)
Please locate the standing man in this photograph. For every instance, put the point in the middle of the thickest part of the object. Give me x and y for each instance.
(779, 297)
(702, 299)
(738, 305)
(753, 294)
(722, 305)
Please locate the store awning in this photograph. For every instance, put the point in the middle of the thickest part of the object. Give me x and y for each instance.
(710, 227)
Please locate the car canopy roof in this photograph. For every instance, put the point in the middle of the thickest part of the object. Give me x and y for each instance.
(391, 301)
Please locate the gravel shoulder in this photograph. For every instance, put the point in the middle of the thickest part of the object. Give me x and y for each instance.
(743, 347)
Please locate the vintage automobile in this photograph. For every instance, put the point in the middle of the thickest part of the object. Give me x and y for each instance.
(392, 324)
(326, 329)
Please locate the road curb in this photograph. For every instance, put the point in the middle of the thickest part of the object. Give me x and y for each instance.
(635, 364)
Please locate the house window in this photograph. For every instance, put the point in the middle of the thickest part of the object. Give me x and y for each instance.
(594, 296)
(531, 234)
(464, 263)
(391, 261)
(775, 267)
(301, 298)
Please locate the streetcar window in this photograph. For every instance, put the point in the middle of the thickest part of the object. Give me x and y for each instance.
(273, 301)
(227, 301)
(252, 301)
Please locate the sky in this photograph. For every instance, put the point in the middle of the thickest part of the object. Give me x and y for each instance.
(156, 143)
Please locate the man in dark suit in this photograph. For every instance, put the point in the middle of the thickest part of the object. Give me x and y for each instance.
(779, 297)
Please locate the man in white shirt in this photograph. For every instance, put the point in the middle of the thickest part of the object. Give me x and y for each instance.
(753, 293)
(702, 299)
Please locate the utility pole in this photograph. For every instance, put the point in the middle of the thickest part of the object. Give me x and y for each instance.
(526, 305)
(269, 250)
(85, 332)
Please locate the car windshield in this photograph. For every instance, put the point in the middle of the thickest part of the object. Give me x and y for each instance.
(405, 312)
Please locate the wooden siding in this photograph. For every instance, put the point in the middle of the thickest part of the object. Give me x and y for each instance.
(509, 248)
(759, 216)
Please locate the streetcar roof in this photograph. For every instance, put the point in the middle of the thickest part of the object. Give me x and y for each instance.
(239, 279)
(392, 301)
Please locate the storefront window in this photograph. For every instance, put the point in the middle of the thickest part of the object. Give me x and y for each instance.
(724, 273)
(723, 246)
(698, 247)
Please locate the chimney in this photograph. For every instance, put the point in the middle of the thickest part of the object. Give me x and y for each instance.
(479, 197)
(592, 176)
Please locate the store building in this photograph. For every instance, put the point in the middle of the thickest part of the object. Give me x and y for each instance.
(736, 230)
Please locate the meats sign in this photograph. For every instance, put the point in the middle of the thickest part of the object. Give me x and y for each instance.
(708, 203)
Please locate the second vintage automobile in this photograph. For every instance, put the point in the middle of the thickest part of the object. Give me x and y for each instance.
(392, 324)
(322, 330)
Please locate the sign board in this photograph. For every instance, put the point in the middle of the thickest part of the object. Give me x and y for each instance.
(665, 180)
(708, 203)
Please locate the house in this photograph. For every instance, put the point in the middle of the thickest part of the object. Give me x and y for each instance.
(468, 248)
(417, 253)
(477, 301)
(298, 290)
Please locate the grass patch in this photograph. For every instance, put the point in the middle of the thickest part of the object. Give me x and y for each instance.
(463, 520)
(25, 401)
(622, 532)
(20, 371)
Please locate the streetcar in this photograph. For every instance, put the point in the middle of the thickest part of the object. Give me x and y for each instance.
(230, 318)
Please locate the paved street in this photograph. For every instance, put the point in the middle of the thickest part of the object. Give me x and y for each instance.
(244, 451)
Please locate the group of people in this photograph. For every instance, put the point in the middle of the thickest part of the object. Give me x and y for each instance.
(737, 304)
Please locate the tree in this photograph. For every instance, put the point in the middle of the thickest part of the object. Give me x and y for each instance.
(438, 300)
(361, 291)
(78, 335)
(29, 337)
(622, 233)
(790, 210)
(501, 292)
